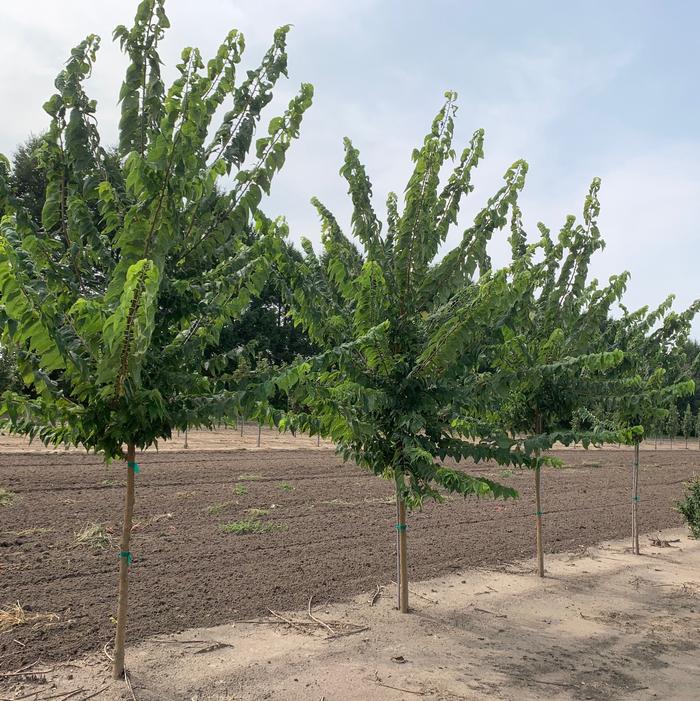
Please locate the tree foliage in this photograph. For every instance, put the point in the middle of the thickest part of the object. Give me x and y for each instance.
(404, 337)
(115, 297)
(555, 351)
(656, 372)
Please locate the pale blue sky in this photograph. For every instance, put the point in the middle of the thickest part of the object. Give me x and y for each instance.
(577, 89)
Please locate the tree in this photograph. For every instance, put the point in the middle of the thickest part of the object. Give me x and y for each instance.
(9, 377)
(112, 301)
(556, 347)
(654, 374)
(687, 424)
(402, 375)
(28, 179)
(672, 422)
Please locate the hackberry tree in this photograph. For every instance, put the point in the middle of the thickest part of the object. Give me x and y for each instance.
(115, 298)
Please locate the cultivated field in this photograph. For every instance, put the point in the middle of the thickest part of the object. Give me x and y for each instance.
(325, 529)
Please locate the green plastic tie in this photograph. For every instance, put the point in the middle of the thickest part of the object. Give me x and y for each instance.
(539, 513)
(400, 526)
(127, 556)
(134, 466)
(635, 498)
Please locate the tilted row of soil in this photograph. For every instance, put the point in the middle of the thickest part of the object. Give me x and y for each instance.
(331, 534)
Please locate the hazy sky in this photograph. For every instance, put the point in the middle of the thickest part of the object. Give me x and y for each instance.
(578, 89)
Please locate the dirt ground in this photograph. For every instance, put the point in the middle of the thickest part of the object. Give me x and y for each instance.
(329, 532)
(604, 625)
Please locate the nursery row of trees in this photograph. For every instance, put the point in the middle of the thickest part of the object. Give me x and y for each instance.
(134, 279)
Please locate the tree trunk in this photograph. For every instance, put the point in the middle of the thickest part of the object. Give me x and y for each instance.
(401, 552)
(635, 500)
(186, 446)
(124, 562)
(259, 432)
(538, 516)
(539, 428)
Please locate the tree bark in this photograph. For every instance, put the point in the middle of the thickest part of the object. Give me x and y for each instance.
(538, 516)
(124, 562)
(635, 500)
(539, 428)
(401, 555)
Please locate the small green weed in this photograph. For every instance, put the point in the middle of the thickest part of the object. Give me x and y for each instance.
(218, 508)
(246, 477)
(506, 473)
(240, 490)
(250, 526)
(7, 497)
(286, 487)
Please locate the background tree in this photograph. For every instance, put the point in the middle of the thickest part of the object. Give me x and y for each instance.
(112, 301)
(402, 376)
(672, 422)
(556, 348)
(653, 375)
(687, 424)
(9, 377)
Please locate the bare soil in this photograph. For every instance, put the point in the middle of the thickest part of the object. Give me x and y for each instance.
(604, 625)
(331, 534)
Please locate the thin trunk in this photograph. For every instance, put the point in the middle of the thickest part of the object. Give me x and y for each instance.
(124, 562)
(242, 425)
(654, 441)
(186, 446)
(401, 553)
(539, 427)
(635, 500)
(318, 440)
(538, 516)
(259, 432)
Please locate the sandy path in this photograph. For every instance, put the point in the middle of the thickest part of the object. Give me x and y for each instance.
(603, 625)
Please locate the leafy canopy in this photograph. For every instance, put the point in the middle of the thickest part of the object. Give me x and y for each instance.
(405, 337)
(113, 299)
(555, 351)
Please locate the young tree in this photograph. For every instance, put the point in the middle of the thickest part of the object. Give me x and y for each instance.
(687, 424)
(697, 427)
(672, 422)
(404, 339)
(113, 300)
(654, 375)
(555, 349)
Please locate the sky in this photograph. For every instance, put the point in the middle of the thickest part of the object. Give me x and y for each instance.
(578, 89)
